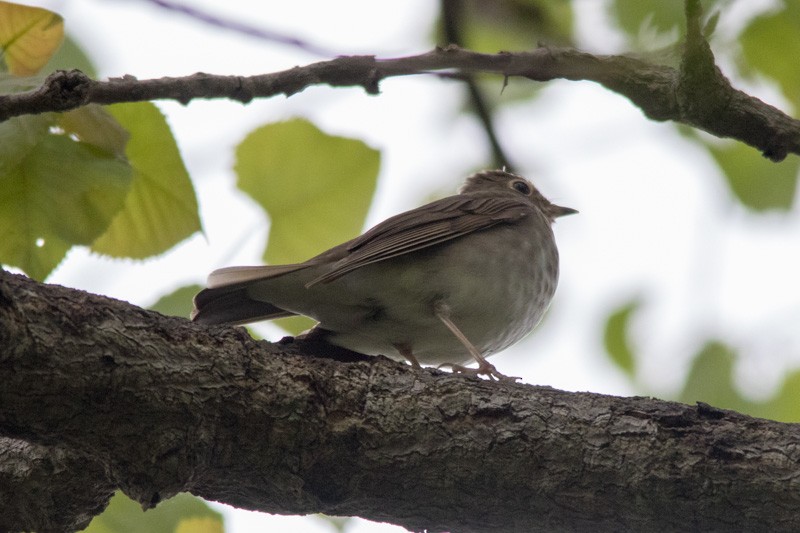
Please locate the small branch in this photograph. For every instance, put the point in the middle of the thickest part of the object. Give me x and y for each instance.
(452, 15)
(661, 92)
(707, 100)
(245, 29)
(163, 405)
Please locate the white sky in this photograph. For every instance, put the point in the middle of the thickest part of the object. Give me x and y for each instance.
(654, 219)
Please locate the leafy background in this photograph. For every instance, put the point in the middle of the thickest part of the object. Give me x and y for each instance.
(678, 276)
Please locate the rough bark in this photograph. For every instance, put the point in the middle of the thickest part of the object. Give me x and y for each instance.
(155, 405)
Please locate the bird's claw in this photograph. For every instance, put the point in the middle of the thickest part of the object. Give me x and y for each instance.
(484, 369)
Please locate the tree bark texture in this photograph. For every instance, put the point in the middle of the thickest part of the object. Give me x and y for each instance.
(97, 394)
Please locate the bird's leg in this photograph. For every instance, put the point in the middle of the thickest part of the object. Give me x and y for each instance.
(405, 351)
(442, 312)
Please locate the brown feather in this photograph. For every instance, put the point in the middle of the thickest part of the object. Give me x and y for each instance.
(435, 223)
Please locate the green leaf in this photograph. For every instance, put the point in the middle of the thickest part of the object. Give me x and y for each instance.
(200, 525)
(70, 56)
(29, 36)
(316, 187)
(520, 25)
(633, 15)
(295, 325)
(756, 181)
(10, 84)
(785, 405)
(770, 44)
(93, 125)
(19, 137)
(161, 209)
(711, 380)
(124, 515)
(178, 302)
(77, 189)
(711, 24)
(55, 192)
(615, 337)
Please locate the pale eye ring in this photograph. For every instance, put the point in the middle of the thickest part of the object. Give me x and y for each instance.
(521, 187)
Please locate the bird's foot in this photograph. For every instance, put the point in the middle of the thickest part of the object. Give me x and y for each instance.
(484, 369)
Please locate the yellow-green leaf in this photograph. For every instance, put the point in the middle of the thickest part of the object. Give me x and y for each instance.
(711, 379)
(616, 338)
(10, 84)
(756, 181)
(316, 187)
(205, 524)
(70, 56)
(161, 209)
(494, 26)
(178, 302)
(29, 36)
(92, 124)
(124, 515)
(295, 325)
(785, 406)
(632, 15)
(55, 192)
(771, 45)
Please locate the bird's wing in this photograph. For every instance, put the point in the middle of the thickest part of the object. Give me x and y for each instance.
(225, 277)
(434, 223)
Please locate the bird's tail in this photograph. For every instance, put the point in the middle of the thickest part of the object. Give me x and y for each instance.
(232, 305)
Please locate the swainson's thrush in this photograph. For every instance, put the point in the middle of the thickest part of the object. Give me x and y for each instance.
(462, 277)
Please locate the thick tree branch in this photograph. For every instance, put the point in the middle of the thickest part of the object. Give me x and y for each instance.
(165, 405)
(661, 92)
(69, 487)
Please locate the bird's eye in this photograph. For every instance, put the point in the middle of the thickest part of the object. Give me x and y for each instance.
(521, 186)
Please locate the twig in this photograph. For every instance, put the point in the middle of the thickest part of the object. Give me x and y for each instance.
(239, 27)
(452, 11)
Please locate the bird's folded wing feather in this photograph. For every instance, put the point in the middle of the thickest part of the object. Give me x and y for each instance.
(438, 222)
(225, 277)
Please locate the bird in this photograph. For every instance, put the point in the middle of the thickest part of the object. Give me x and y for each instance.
(455, 280)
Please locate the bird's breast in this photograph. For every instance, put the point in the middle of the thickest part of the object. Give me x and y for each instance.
(497, 284)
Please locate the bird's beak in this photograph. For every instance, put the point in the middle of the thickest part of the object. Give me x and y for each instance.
(556, 211)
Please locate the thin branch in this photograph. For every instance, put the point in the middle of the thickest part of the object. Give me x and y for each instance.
(452, 15)
(661, 92)
(163, 405)
(242, 28)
